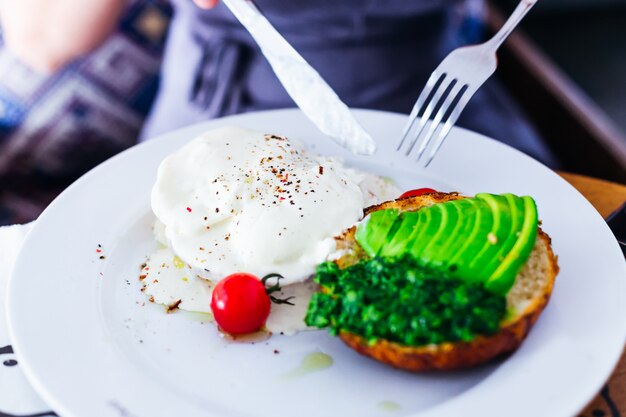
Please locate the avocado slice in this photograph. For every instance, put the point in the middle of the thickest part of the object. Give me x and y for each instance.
(466, 223)
(423, 217)
(448, 238)
(474, 243)
(435, 246)
(506, 242)
(372, 234)
(503, 278)
(495, 238)
(432, 224)
(397, 243)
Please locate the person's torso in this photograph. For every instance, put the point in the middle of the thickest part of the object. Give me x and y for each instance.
(374, 53)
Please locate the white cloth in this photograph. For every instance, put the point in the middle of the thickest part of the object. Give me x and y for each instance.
(17, 398)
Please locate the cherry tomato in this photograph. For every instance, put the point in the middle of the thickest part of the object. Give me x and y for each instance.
(240, 303)
(418, 192)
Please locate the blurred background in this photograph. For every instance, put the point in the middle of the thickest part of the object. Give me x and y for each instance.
(64, 110)
(587, 40)
(576, 50)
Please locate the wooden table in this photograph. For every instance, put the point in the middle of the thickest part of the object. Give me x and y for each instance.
(605, 197)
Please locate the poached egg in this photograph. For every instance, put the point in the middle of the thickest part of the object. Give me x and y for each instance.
(236, 200)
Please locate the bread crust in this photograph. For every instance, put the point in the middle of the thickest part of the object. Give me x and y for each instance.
(457, 355)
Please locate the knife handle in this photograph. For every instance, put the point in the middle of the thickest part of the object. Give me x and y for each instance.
(260, 28)
(244, 10)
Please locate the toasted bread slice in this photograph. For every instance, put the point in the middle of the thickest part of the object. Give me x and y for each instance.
(526, 300)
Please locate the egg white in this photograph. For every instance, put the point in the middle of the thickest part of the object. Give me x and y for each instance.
(168, 281)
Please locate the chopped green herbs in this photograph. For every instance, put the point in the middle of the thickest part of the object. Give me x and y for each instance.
(402, 301)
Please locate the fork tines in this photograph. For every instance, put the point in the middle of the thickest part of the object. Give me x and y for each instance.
(445, 99)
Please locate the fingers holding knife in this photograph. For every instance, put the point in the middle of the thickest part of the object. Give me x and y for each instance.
(205, 4)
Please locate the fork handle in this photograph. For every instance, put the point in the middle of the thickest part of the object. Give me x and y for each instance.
(518, 14)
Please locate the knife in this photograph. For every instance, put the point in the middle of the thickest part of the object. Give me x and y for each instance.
(617, 224)
(305, 86)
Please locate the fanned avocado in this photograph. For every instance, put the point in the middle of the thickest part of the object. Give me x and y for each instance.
(483, 239)
(374, 233)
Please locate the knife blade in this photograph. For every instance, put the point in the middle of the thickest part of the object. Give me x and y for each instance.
(617, 224)
(303, 83)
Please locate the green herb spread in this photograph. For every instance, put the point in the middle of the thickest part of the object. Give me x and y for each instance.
(402, 301)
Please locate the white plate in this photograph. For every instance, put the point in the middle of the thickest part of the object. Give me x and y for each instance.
(91, 348)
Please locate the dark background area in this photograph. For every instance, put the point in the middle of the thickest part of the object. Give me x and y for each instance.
(585, 42)
(587, 39)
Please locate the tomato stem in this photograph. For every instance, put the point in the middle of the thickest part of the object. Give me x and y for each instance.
(276, 287)
(282, 300)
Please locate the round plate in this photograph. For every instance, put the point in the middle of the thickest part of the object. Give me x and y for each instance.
(92, 346)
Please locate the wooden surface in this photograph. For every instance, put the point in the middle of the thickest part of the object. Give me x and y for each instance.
(605, 197)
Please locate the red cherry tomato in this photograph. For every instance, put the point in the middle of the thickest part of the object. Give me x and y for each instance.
(418, 192)
(240, 304)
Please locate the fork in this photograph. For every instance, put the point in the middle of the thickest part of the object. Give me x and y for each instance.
(451, 86)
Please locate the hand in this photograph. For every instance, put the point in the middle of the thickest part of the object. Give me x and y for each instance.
(206, 4)
(48, 34)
